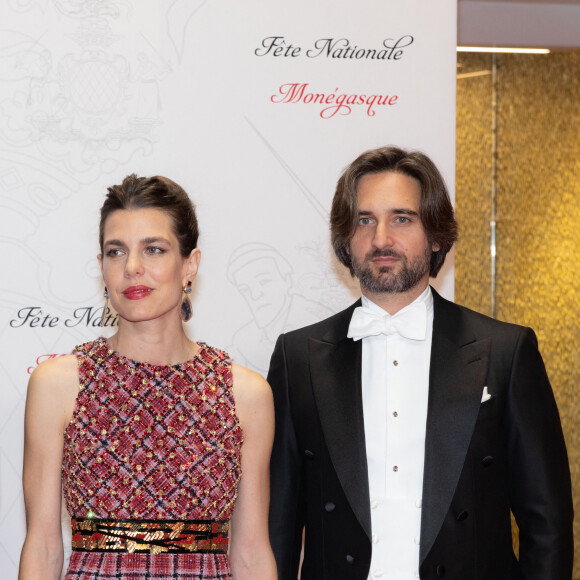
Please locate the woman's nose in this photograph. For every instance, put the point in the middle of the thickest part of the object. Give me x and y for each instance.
(134, 265)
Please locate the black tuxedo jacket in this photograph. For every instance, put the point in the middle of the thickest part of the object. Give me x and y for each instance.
(481, 459)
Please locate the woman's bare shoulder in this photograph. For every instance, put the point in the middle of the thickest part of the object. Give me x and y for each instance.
(55, 381)
(61, 368)
(52, 391)
(250, 387)
(249, 380)
(255, 409)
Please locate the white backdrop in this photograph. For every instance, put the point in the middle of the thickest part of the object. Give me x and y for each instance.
(253, 107)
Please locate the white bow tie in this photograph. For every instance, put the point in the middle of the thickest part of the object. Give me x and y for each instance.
(409, 323)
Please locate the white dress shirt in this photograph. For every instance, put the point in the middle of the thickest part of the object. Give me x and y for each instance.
(395, 388)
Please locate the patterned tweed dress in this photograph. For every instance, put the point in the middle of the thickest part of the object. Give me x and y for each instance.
(151, 467)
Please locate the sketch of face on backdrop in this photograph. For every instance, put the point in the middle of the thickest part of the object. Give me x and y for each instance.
(265, 280)
(263, 277)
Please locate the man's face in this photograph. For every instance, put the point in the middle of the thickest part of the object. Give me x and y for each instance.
(389, 250)
(264, 289)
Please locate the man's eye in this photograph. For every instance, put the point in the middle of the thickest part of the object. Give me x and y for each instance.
(365, 221)
(155, 250)
(401, 219)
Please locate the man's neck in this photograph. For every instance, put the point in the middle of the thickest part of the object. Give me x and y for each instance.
(392, 302)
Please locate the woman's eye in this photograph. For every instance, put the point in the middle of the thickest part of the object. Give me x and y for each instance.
(155, 250)
(114, 252)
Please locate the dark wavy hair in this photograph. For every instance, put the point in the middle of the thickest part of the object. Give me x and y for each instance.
(435, 210)
(156, 192)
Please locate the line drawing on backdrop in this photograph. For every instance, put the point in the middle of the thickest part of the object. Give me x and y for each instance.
(310, 197)
(265, 280)
(88, 108)
(177, 18)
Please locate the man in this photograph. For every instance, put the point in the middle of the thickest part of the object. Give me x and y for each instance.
(408, 427)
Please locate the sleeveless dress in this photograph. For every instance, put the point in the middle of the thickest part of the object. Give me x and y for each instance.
(151, 467)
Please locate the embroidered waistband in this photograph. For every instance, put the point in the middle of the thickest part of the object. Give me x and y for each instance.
(149, 536)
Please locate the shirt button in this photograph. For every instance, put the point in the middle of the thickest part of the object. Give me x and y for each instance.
(374, 504)
(416, 573)
(417, 540)
(418, 503)
(377, 573)
(375, 539)
(395, 468)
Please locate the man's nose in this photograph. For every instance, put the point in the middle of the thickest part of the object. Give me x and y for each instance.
(383, 237)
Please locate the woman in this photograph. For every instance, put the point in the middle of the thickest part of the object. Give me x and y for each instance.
(153, 459)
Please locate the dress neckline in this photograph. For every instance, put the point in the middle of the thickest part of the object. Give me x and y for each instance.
(103, 342)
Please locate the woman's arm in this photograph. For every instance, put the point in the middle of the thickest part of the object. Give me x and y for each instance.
(49, 405)
(250, 552)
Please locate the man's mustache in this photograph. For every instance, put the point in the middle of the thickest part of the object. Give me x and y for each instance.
(386, 253)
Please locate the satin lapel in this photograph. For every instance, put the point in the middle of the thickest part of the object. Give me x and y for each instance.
(335, 365)
(458, 371)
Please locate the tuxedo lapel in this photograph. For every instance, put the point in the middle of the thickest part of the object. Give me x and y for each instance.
(335, 366)
(457, 376)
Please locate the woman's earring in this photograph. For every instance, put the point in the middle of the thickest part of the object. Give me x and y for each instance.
(186, 311)
(105, 308)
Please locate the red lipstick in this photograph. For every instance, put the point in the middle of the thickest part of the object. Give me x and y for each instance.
(137, 292)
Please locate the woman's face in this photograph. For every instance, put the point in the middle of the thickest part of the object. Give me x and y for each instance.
(143, 269)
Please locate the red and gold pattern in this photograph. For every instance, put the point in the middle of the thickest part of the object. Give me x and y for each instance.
(152, 443)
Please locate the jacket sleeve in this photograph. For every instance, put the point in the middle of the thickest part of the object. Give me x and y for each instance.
(539, 474)
(287, 508)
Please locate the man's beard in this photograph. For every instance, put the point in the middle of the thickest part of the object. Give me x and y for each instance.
(387, 280)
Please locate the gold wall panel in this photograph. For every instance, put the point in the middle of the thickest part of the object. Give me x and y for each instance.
(538, 212)
(473, 182)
